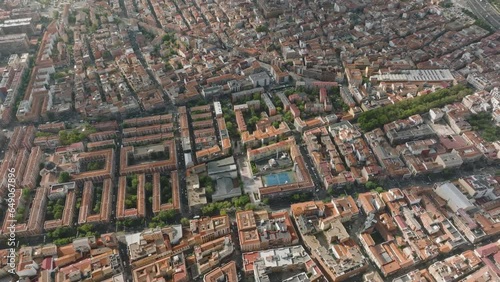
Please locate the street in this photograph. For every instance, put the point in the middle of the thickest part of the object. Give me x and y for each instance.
(483, 10)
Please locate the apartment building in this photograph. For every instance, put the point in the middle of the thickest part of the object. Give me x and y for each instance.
(261, 230)
(148, 130)
(184, 128)
(208, 153)
(14, 43)
(173, 266)
(33, 224)
(371, 202)
(60, 190)
(22, 137)
(48, 142)
(104, 135)
(455, 266)
(202, 124)
(67, 215)
(326, 215)
(260, 264)
(107, 156)
(206, 229)
(226, 272)
(52, 127)
(266, 135)
(200, 109)
(210, 254)
(86, 213)
(160, 204)
(206, 132)
(102, 265)
(20, 163)
(32, 168)
(101, 145)
(137, 153)
(478, 186)
(106, 125)
(279, 76)
(304, 181)
(147, 139)
(139, 210)
(269, 104)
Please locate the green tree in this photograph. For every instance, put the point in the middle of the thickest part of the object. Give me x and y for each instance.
(71, 19)
(229, 126)
(295, 198)
(249, 206)
(135, 182)
(129, 204)
(51, 116)
(370, 185)
(148, 187)
(62, 232)
(86, 228)
(63, 241)
(209, 191)
(253, 120)
(97, 165)
(58, 214)
(107, 55)
(59, 75)
(64, 177)
(483, 123)
(288, 117)
(262, 28)
(26, 193)
(43, 134)
(68, 137)
(21, 210)
(208, 209)
(166, 214)
(305, 197)
(19, 217)
(372, 119)
(330, 191)
(166, 38)
(241, 201)
(184, 221)
(255, 170)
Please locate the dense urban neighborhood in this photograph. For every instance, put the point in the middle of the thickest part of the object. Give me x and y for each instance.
(250, 140)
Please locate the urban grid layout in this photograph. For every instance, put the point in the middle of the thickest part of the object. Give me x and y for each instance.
(250, 140)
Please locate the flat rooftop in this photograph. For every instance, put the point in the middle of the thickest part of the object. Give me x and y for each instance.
(417, 75)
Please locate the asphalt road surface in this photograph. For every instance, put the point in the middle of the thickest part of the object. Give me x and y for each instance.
(485, 11)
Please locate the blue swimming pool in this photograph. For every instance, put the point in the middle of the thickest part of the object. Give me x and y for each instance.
(280, 178)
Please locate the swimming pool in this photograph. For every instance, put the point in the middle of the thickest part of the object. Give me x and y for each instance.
(280, 178)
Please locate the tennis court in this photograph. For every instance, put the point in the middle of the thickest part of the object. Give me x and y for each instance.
(280, 178)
